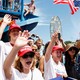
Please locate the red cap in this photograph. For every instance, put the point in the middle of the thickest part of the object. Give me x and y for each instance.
(25, 50)
(14, 26)
(57, 48)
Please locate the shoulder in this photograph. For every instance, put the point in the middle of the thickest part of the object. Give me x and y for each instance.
(8, 43)
(1, 42)
(36, 70)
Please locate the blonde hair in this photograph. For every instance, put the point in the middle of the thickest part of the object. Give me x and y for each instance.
(18, 65)
(39, 40)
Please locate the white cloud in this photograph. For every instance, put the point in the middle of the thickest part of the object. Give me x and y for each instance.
(42, 17)
(76, 26)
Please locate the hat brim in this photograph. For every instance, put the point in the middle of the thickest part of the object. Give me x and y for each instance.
(75, 48)
(57, 48)
(25, 52)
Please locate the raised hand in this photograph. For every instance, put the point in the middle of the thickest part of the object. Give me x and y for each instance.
(22, 39)
(54, 37)
(7, 19)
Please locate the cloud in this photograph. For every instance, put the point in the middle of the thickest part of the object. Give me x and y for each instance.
(42, 18)
(76, 27)
(42, 23)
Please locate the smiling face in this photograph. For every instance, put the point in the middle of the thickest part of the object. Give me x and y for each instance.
(13, 34)
(57, 55)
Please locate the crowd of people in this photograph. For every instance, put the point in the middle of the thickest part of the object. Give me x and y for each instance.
(26, 58)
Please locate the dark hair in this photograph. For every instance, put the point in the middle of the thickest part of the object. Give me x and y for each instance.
(45, 47)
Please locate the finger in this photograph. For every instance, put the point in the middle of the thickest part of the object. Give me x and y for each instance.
(25, 33)
(19, 33)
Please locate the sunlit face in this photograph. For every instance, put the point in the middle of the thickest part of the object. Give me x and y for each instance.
(39, 44)
(27, 60)
(57, 55)
(14, 34)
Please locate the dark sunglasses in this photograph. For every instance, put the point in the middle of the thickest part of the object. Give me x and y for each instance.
(31, 55)
(71, 49)
(34, 50)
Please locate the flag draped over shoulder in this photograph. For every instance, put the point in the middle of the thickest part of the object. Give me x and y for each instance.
(69, 2)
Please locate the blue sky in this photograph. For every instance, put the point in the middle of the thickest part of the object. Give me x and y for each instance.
(45, 9)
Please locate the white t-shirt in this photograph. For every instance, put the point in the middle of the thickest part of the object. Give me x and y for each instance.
(34, 74)
(52, 70)
(5, 49)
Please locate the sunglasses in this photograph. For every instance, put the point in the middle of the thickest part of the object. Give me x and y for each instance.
(28, 55)
(34, 50)
(71, 49)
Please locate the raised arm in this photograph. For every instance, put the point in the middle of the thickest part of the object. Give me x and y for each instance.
(26, 4)
(50, 46)
(20, 42)
(6, 20)
(63, 44)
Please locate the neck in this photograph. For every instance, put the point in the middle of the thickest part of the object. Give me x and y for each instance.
(12, 41)
(72, 57)
(26, 70)
(55, 60)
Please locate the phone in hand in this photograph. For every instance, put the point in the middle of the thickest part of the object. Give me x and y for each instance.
(59, 36)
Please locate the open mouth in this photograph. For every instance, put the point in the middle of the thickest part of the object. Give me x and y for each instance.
(58, 55)
(28, 62)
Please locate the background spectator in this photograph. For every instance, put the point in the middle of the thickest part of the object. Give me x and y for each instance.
(31, 8)
(70, 55)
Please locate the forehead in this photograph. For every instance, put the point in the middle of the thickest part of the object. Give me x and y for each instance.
(15, 29)
(55, 51)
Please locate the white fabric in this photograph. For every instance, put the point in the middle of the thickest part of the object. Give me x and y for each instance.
(16, 75)
(41, 50)
(51, 69)
(5, 48)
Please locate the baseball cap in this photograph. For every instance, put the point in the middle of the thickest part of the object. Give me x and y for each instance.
(57, 48)
(25, 50)
(14, 26)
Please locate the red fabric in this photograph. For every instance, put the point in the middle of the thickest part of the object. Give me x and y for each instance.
(61, 1)
(14, 26)
(25, 50)
(57, 48)
(70, 2)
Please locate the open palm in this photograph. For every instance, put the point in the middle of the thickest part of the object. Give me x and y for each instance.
(7, 18)
(22, 39)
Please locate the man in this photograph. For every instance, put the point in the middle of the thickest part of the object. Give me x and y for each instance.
(5, 48)
(31, 8)
(52, 64)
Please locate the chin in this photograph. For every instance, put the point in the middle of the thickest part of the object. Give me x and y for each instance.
(15, 37)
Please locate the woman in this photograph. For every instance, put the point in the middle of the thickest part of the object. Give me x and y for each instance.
(24, 68)
(52, 62)
(70, 55)
(5, 47)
